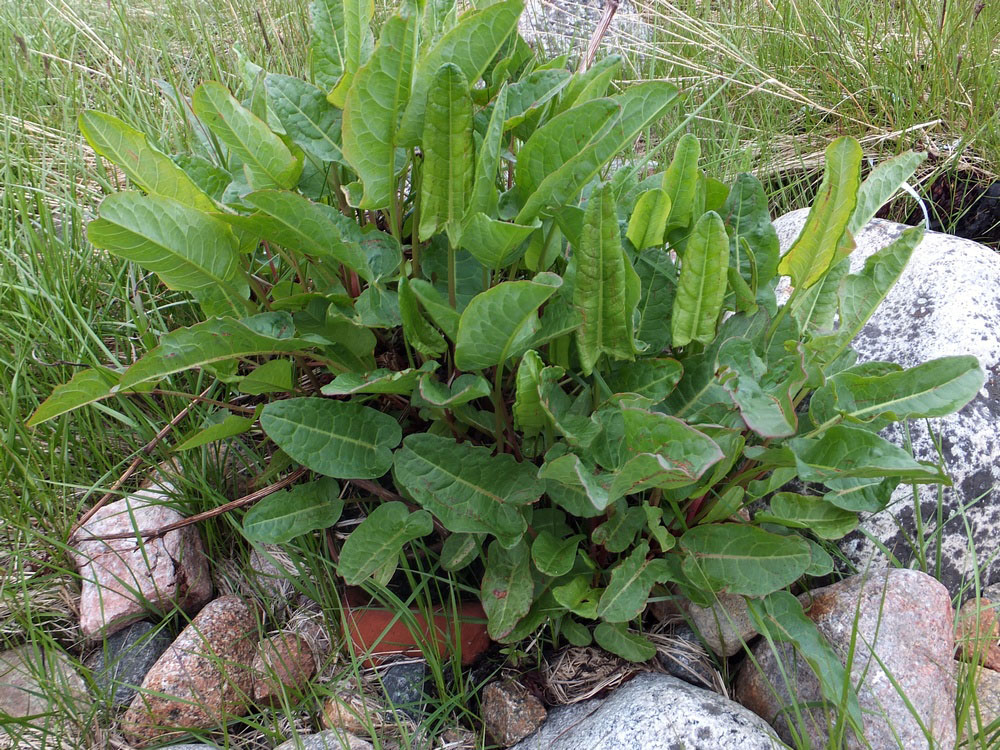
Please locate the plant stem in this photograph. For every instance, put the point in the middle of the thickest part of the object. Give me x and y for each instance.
(451, 275)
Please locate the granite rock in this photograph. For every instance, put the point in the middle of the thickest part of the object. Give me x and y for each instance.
(510, 712)
(329, 739)
(202, 681)
(284, 662)
(36, 681)
(725, 626)
(987, 697)
(124, 579)
(900, 623)
(352, 713)
(947, 302)
(124, 659)
(977, 632)
(654, 712)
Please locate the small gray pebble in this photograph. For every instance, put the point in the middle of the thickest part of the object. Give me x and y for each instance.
(404, 686)
(689, 662)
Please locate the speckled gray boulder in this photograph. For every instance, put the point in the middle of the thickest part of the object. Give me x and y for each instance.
(559, 26)
(947, 302)
(654, 712)
(330, 739)
(123, 660)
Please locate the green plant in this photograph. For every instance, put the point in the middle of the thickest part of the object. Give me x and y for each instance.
(426, 263)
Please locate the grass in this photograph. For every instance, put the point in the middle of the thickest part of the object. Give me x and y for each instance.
(909, 73)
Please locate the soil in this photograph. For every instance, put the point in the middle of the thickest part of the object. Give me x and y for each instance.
(960, 205)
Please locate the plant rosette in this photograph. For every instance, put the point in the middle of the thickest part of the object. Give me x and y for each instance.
(529, 372)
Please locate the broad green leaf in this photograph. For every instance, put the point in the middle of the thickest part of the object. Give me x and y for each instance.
(297, 223)
(881, 184)
(658, 285)
(471, 45)
(436, 304)
(145, 165)
(379, 539)
(582, 159)
(377, 307)
(85, 387)
(570, 471)
(809, 512)
(528, 95)
(649, 219)
(933, 389)
(447, 145)
(815, 249)
(843, 452)
(743, 559)
(577, 427)
(345, 343)
(816, 309)
(780, 615)
(575, 634)
(282, 516)
(554, 556)
(724, 507)
(822, 563)
(618, 533)
(372, 110)
(469, 281)
(309, 119)
(327, 51)
(747, 218)
(377, 381)
(358, 44)
(465, 486)
(701, 287)
(334, 438)
(484, 186)
(862, 293)
(625, 597)
(578, 597)
(420, 334)
(493, 242)
(770, 415)
(590, 84)
(554, 145)
(606, 290)
(464, 389)
(626, 644)
(274, 376)
(267, 162)
(230, 426)
(680, 181)
(438, 17)
(501, 322)
(666, 453)
(507, 587)
(459, 550)
(214, 341)
(651, 377)
(185, 247)
(527, 409)
(210, 179)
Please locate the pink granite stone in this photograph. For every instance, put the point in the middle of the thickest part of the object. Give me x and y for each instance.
(202, 681)
(123, 579)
